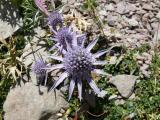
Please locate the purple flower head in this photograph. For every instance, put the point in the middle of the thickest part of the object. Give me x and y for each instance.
(39, 68)
(78, 63)
(77, 60)
(64, 35)
(55, 19)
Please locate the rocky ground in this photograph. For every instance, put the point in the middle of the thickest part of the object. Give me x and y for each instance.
(127, 22)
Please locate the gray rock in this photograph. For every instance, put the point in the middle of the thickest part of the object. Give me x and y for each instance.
(130, 116)
(119, 102)
(10, 20)
(122, 8)
(113, 60)
(26, 103)
(110, 7)
(124, 83)
(141, 11)
(147, 7)
(154, 26)
(131, 7)
(156, 38)
(113, 97)
(38, 47)
(103, 12)
(158, 15)
(133, 22)
(111, 20)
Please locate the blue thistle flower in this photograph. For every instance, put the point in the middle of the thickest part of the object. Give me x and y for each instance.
(61, 36)
(65, 34)
(55, 19)
(78, 63)
(39, 68)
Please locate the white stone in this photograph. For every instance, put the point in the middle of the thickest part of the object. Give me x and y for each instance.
(25, 102)
(124, 83)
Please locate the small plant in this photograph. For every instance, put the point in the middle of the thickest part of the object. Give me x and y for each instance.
(77, 61)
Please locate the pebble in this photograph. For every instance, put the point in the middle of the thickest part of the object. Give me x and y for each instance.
(130, 116)
(158, 15)
(103, 13)
(110, 7)
(59, 114)
(146, 73)
(140, 62)
(113, 60)
(147, 7)
(133, 22)
(121, 9)
(139, 57)
(141, 11)
(144, 67)
(148, 62)
(112, 97)
(132, 96)
(62, 111)
(146, 54)
(119, 102)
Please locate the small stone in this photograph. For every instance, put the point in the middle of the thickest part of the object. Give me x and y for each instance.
(61, 119)
(146, 73)
(103, 12)
(124, 83)
(156, 37)
(140, 62)
(154, 26)
(131, 7)
(112, 97)
(140, 57)
(110, 7)
(141, 12)
(111, 20)
(147, 7)
(59, 114)
(37, 45)
(113, 60)
(133, 22)
(130, 116)
(119, 102)
(158, 15)
(146, 54)
(121, 9)
(132, 96)
(102, 94)
(144, 67)
(62, 111)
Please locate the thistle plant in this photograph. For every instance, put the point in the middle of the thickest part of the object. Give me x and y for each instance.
(37, 68)
(64, 34)
(78, 62)
(39, 71)
(55, 19)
